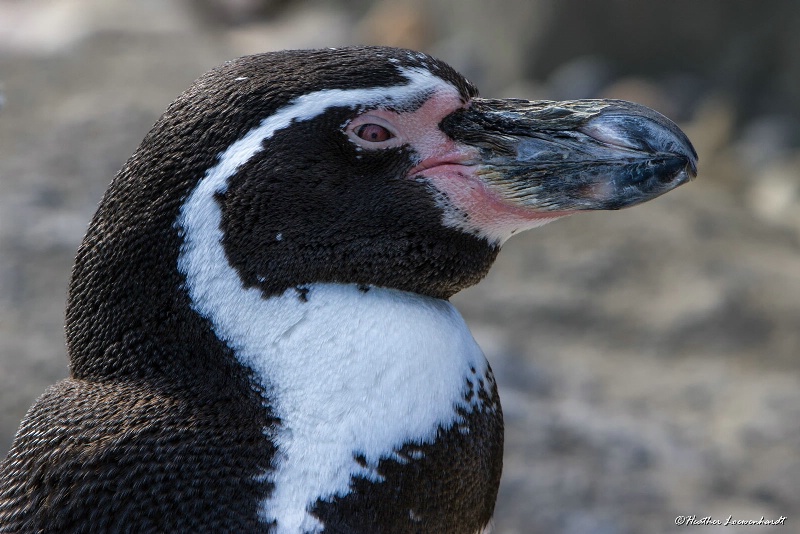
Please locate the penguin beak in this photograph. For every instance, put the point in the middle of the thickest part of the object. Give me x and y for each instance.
(551, 159)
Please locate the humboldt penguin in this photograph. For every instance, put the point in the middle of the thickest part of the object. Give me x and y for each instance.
(258, 324)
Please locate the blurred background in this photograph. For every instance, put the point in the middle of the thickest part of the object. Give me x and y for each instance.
(647, 359)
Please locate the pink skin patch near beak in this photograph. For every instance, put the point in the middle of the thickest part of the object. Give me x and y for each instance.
(474, 207)
(467, 201)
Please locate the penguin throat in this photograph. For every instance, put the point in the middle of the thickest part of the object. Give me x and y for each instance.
(353, 376)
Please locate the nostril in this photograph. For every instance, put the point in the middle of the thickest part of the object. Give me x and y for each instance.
(613, 130)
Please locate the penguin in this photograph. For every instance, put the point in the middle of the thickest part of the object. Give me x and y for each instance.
(258, 323)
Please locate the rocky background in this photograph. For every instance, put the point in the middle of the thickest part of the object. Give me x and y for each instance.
(647, 359)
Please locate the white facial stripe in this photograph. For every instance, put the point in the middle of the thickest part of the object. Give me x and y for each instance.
(308, 106)
(346, 372)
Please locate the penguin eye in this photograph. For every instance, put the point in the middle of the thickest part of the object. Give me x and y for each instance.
(374, 133)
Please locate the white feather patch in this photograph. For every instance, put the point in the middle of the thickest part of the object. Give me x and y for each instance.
(347, 372)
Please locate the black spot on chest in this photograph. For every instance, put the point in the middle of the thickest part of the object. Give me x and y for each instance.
(302, 293)
(445, 487)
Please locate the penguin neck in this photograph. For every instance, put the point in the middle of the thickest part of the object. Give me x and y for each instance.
(340, 365)
(348, 330)
(352, 376)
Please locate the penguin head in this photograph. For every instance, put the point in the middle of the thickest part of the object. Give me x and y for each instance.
(333, 190)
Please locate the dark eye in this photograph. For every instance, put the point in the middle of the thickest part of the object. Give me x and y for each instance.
(374, 133)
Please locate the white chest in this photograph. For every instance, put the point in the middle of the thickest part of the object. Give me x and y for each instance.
(353, 374)
(349, 374)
